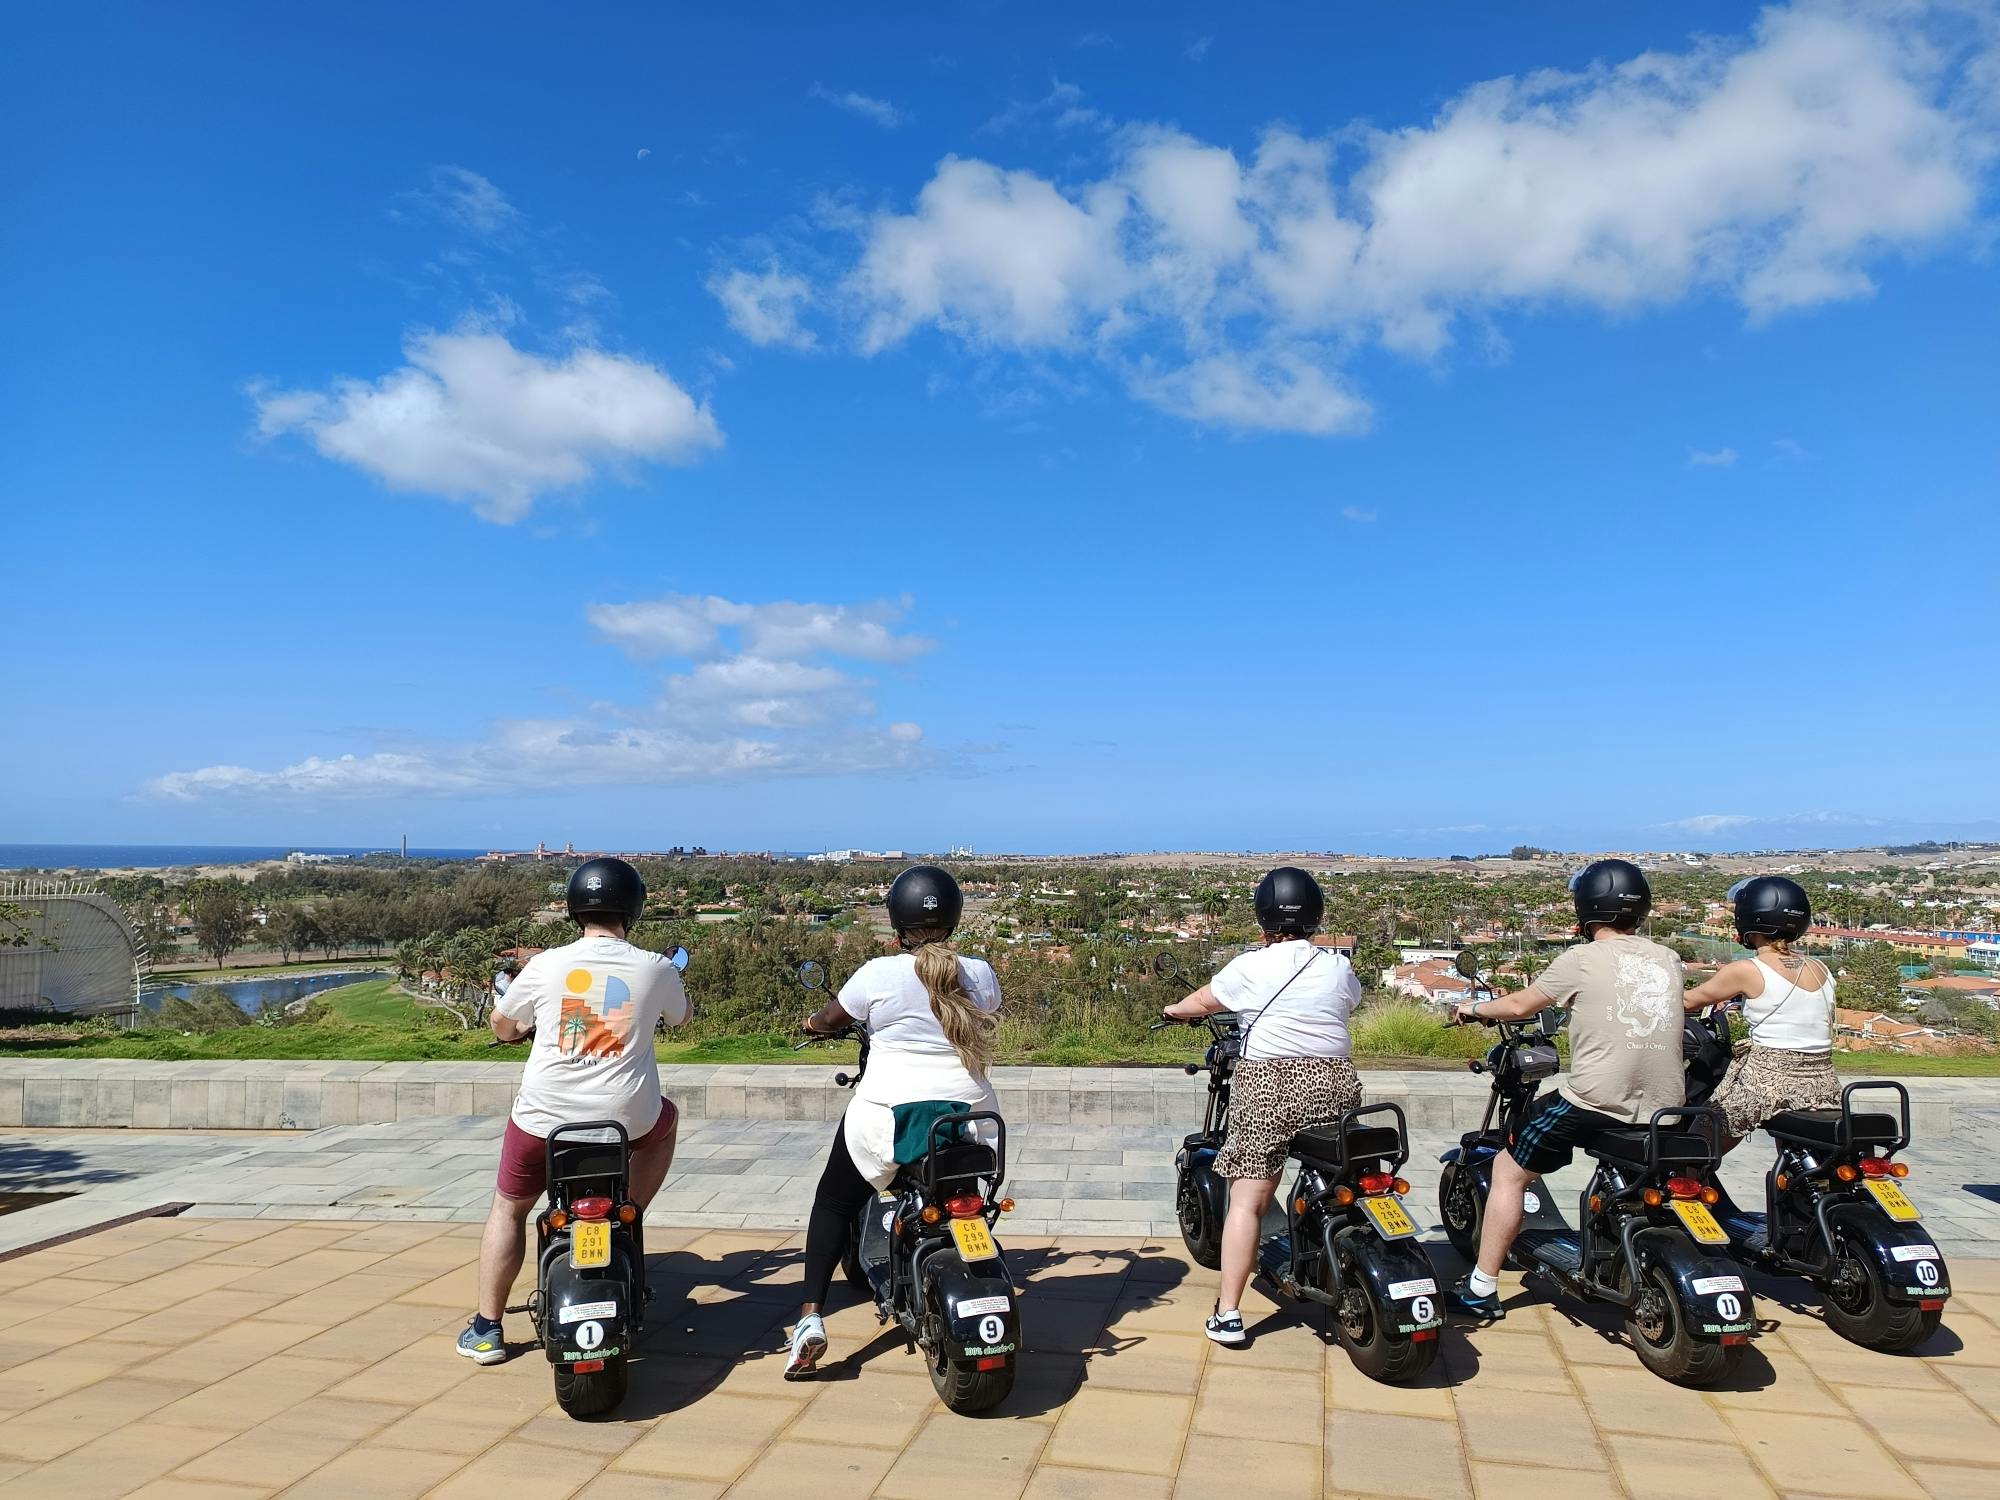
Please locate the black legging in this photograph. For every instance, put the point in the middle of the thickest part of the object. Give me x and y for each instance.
(837, 1204)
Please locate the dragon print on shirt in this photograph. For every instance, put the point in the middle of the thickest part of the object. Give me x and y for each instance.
(1646, 996)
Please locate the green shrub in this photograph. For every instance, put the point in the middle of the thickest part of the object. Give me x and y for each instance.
(1410, 1028)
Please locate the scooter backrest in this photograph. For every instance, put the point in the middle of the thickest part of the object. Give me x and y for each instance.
(580, 1167)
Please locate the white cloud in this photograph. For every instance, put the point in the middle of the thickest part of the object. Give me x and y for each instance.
(472, 418)
(1198, 48)
(1000, 257)
(1709, 822)
(1358, 515)
(757, 707)
(880, 111)
(692, 625)
(1719, 458)
(764, 305)
(1775, 169)
(471, 200)
(1062, 106)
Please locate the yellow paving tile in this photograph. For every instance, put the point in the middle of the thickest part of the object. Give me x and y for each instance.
(1264, 1466)
(1668, 1468)
(264, 1458)
(113, 1465)
(875, 1411)
(1923, 1424)
(1170, 1362)
(1821, 1455)
(369, 1473)
(953, 1455)
(520, 1468)
(1492, 1481)
(1526, 1427)
(1347, 1389)
(1371, 1454)
(1141, 1432)
(717, 1437)
(175, 1488)
(825, 1471)
(1234, 1400)
(1053, 1482)
(1957, 1481)
(75, 1419)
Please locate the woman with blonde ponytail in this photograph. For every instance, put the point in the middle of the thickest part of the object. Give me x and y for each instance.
(930, 1016)
(1788, 1003)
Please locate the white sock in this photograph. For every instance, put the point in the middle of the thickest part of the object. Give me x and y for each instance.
(1480, 1284)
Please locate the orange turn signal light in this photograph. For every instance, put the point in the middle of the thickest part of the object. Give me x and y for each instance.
(558, 1219)
(1784, 1182)
(1343, 1196)
(1400, 1185)
(628, 1213)
(1006, 1205)
(1711, 1196)
(1899, 1169)
(1652, 1197)
(1299, 1204)
(1597, 1203)
(931, 1214)
(1847, 1171)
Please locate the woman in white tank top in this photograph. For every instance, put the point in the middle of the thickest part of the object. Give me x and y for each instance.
(1788, 1002)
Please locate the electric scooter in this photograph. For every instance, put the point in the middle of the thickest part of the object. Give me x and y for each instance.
(1650, 1244)
(924, 1252)
(1835, 1212)
(1345, 1241)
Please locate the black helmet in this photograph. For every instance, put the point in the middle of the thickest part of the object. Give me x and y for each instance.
(925, 898)
(1290, 901)
(1772, 905)
(606, 888)
(1611, 891)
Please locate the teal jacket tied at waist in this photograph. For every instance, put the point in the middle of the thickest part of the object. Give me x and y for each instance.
(913, 1125)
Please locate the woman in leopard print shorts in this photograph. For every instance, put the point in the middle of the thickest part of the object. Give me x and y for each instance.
(1293, 998)
(1788, 1003)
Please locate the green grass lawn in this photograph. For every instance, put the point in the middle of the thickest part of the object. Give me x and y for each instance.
(376, 1021)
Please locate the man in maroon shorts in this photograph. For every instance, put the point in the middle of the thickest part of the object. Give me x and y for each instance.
(591, 1007)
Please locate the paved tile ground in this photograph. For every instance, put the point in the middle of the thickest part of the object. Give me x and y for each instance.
(759, 1174)
(180, 1358)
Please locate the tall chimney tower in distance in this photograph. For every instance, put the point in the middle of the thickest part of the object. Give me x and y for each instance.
(406, 846)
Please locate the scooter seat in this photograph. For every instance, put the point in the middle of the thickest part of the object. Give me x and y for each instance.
(1821, 1127)
(1321, 1143)
(1627, 1145)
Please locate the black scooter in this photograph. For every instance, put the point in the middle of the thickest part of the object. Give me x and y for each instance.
(925, 1254)
(1345, 1240)
(1834, 1211)
(590, 1292)
(1649, 1245)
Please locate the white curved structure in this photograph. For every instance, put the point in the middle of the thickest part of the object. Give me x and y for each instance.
(81, 956)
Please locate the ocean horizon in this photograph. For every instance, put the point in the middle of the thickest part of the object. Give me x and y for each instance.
(173, 856)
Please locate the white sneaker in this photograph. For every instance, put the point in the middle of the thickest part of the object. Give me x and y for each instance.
(1226, 1327)
(808, 1344)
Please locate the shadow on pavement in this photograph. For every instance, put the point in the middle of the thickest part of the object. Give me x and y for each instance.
(29, 1166)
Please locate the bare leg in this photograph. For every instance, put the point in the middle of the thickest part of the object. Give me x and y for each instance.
(1248, 1198)
(650, 1164)
(1504, 1211)
(502, 1248)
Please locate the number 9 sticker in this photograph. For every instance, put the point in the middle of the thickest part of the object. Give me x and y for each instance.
(992, 1329)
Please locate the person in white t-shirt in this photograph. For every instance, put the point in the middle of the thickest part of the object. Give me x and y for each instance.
(930, 1016)
(590, 1007)
(1294, 998)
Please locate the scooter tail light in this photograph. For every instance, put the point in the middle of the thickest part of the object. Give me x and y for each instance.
(966, 1206)
(587, 1366)
(991, 1362)
(591, 1208)
(1373, 1183)
(1684, 1187)
(1874, 1166)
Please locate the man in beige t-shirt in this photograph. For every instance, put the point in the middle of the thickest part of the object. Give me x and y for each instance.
(1624, 994)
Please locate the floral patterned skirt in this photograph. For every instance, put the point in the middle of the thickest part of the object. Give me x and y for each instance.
(1765, 1080)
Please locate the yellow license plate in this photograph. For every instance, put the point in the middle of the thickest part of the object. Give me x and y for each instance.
(1700, 1222)
(1895, 1202)
(1391, 1222)
(590, 1243)
(974, 1241)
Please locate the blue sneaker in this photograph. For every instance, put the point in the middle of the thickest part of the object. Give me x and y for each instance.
(1461, 1299)
(482, 1348)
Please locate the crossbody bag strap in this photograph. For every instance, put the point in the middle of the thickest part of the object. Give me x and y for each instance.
(1265, 1009)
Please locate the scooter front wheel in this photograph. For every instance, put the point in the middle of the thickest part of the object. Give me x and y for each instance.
(1460, 1209)
(1658, 1329)
(1200, 1231)
(594, 1392)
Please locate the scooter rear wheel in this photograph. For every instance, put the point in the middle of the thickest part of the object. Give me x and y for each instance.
(1858, 1309)
(1661, 1338)
(965, 1390)
(1377, 1353)
(594, 1393)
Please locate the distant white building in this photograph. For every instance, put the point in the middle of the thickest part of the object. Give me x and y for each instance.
(848, 856)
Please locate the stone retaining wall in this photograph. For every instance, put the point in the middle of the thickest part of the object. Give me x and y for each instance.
(278, 1095)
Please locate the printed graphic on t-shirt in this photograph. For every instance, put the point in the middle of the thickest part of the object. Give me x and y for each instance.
(596, 1015)
(1645, 994)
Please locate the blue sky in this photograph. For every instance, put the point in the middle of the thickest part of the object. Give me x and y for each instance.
(1040, 427)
